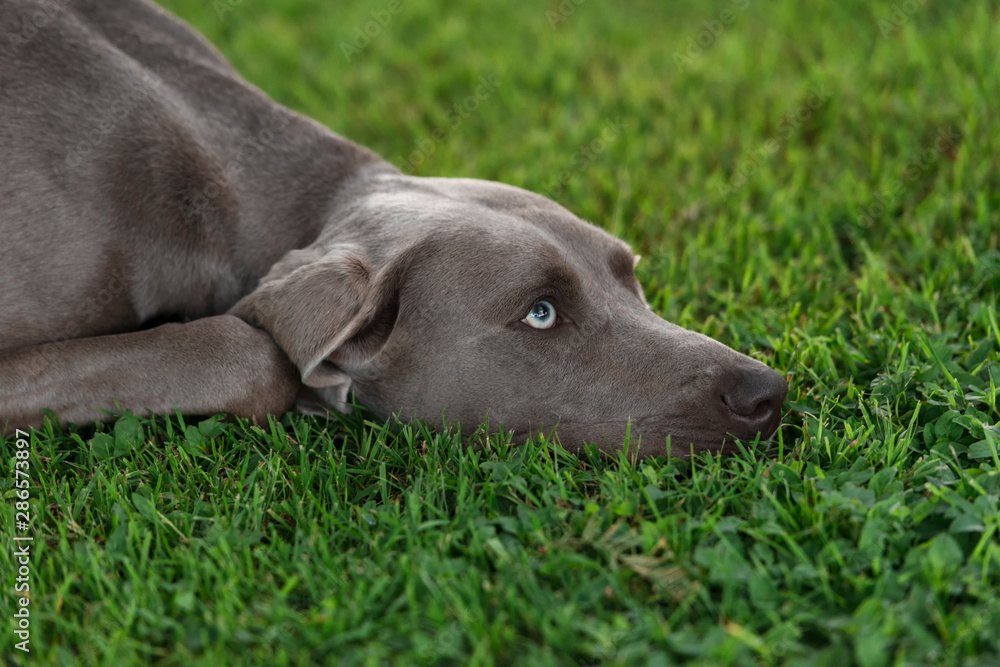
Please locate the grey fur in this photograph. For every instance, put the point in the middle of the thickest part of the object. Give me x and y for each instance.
(142, 180)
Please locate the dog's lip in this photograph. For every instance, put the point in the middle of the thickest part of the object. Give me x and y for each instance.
(699, 440)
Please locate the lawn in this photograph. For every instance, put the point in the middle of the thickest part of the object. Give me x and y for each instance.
(816, 185)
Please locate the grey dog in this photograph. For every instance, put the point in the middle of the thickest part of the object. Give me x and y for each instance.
(172, 239)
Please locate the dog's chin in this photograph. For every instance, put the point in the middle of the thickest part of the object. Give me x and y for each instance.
(612, 438)
(609, 438)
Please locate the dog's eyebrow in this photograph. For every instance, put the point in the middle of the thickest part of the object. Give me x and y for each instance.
(561, 278)
(556, 279)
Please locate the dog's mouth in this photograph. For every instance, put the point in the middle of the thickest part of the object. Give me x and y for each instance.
(645, 441)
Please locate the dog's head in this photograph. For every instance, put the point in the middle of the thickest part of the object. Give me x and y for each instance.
(454, 300)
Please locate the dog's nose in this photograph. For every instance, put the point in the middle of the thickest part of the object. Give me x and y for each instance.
(754, 401)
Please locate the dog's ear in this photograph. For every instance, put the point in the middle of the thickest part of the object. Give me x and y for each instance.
(327, 311)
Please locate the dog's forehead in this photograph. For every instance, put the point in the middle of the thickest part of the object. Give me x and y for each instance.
(493, 217)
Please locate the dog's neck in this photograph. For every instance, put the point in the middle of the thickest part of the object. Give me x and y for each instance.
(290, 181)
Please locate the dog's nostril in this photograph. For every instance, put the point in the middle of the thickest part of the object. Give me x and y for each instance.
(763, 409)
(756, 396)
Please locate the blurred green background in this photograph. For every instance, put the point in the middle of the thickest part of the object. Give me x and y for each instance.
(700, 88)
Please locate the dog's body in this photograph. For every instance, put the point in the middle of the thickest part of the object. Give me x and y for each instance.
(141, 180)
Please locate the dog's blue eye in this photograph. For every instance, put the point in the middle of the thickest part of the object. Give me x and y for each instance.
(541, 316)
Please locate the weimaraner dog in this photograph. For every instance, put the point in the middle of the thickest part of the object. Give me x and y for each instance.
(172, 239)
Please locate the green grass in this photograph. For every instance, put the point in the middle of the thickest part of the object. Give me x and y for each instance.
(868, 534)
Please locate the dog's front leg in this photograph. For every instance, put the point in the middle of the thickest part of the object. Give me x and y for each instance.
(215, 364)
